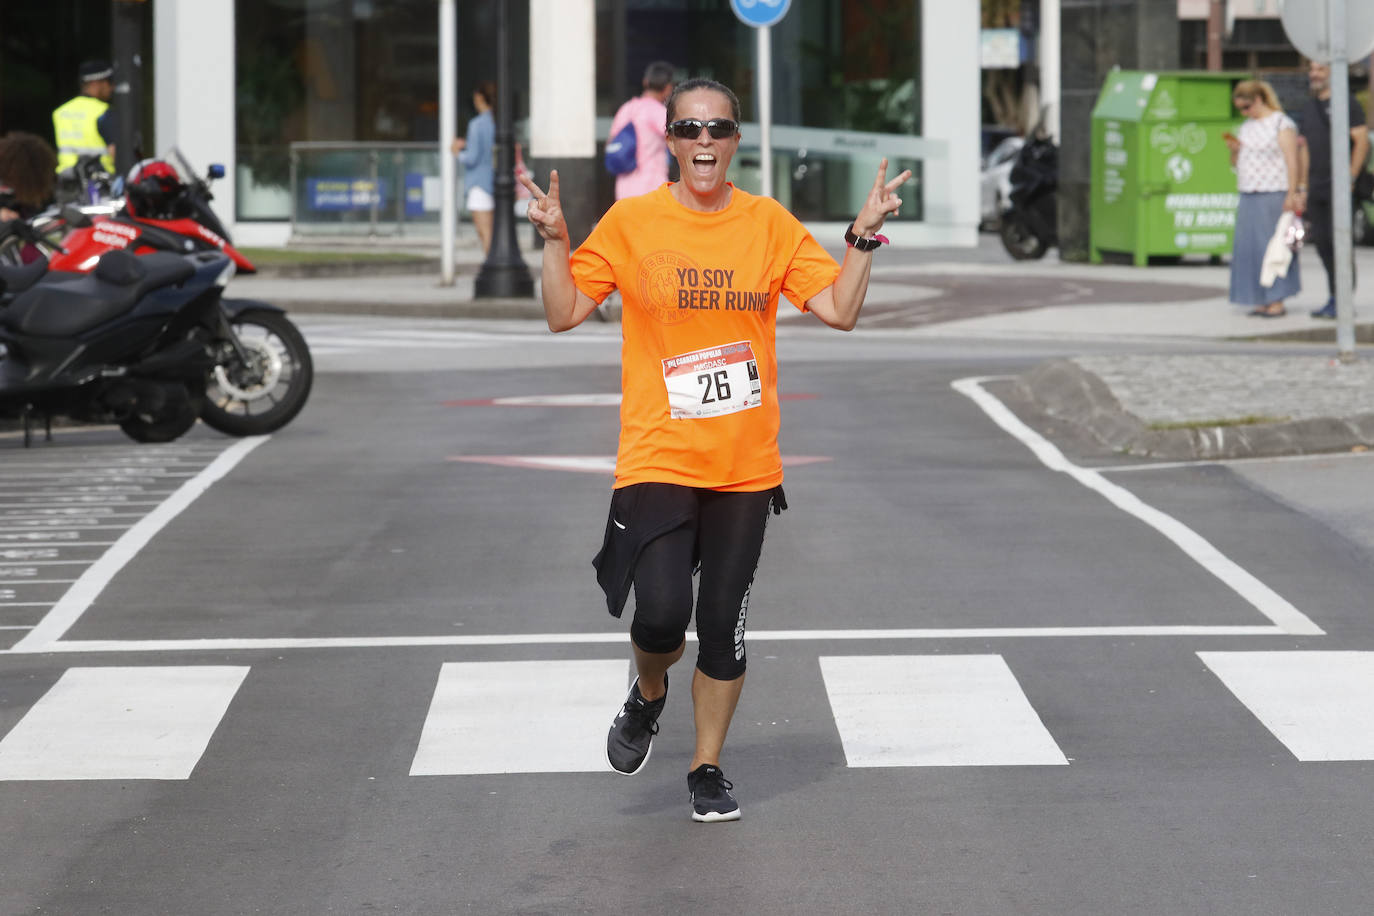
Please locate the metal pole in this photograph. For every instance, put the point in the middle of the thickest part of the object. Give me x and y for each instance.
(504, 274)
(1216, 24)
(295, 193)
(126, 37)
(399, 177)
(448, 127)
(764, 80)
(620, 77)
(375, 193)
(1340, 179)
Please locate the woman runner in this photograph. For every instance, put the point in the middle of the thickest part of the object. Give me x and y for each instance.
(699, 265)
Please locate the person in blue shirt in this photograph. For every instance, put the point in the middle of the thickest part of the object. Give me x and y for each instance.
(476, 152)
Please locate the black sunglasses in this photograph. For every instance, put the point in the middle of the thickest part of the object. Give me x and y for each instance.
(690, 128)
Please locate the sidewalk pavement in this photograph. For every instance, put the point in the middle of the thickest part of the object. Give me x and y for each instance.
(1174, 402)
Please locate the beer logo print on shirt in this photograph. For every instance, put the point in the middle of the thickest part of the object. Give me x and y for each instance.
(674, 287)
(658, 282)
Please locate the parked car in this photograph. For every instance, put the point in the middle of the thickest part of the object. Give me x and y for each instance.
(995, 181)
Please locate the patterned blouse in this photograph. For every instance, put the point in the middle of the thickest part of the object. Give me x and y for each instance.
(1259, 165)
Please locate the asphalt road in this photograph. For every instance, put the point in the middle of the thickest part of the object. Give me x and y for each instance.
(362, 665)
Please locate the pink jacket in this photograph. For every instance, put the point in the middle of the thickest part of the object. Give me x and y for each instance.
(651, 146)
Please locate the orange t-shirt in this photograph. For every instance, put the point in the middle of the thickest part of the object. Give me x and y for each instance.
(699, 294)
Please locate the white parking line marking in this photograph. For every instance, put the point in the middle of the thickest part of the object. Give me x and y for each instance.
(1320, 705)
(59, 525)
(78, 598)
(562, 708)
(1262, 597)
(934, 711)
(26, 543)
(121, 723)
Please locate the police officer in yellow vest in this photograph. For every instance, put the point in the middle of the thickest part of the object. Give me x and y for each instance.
(83, 125)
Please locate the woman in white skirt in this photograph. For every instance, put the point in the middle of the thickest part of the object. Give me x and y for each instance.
(1265, 157)
(476, 152)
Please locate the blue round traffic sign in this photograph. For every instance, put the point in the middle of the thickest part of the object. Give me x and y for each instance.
(760, 13)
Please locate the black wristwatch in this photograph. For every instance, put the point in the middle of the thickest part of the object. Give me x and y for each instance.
(853, 241)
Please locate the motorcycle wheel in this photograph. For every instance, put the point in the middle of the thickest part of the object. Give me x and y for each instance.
(1017, 238)
(171, 424)
(264, 393)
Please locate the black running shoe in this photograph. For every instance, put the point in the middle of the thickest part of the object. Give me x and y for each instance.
(711, 798)
(632, 732)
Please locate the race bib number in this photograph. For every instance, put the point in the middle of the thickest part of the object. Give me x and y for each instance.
(712, 382)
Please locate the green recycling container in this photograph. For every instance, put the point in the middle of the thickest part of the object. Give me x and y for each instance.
(1162, 184)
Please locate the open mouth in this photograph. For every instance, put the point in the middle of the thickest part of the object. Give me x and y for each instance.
(703, 163)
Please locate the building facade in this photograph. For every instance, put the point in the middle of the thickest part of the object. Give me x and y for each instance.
(255, 77)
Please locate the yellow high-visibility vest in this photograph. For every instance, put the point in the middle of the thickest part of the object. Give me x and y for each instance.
(77, 134)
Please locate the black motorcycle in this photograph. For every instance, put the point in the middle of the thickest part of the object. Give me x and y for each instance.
(148, 343)
(1029, 225)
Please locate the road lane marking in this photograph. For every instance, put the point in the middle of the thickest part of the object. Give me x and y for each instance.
(1320, 705)
(250, 644)
(1201, 551)
(121, 723)
(563, 709)
(934, 711)
(69, 608)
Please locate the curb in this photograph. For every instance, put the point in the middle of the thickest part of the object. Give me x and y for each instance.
(386, 267)
(1364, 334)
(1071, 394)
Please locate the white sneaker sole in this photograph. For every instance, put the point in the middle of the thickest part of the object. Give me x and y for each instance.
(714, 817)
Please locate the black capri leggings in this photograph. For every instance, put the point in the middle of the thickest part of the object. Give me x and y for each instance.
(726, 535)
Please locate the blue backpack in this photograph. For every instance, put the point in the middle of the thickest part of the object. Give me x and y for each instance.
(620, 152)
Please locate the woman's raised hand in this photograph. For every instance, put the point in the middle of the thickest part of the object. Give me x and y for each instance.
(881, 202)
(545, 211)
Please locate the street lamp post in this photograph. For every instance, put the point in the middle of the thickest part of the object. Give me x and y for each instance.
(126, 40)
(503, 274)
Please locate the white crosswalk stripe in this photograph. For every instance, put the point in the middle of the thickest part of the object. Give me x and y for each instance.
(121, 723)
(561, 707)
(551, 716)
(1319, 704)
(933, 710)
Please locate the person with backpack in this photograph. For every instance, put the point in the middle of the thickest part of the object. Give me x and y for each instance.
(637, 151)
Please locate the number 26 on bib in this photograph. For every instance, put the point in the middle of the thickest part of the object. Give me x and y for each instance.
(713, 381)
